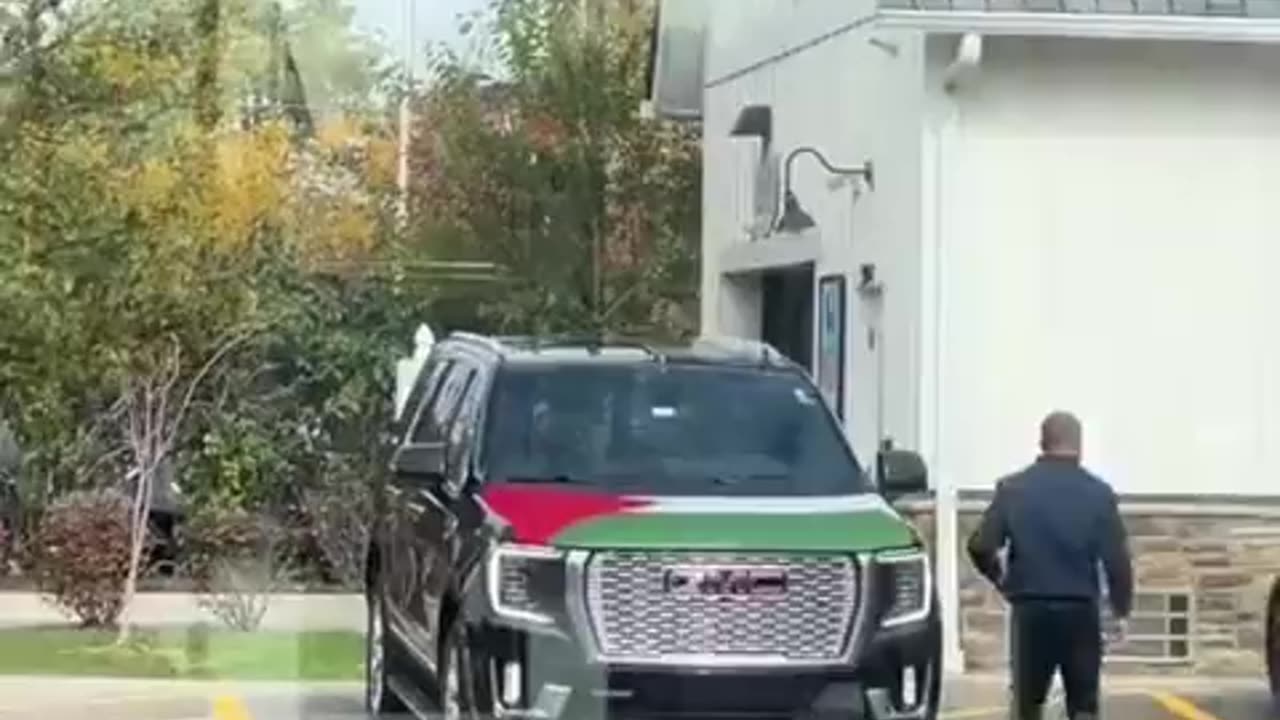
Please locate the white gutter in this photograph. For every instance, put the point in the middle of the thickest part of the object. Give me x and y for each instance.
(1258, 30)
(965, 65)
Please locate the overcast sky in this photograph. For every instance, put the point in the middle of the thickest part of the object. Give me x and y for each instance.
(435, 20)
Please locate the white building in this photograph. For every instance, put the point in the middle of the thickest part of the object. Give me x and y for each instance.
(1073, 206)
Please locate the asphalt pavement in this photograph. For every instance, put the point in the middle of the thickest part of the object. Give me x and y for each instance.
(966, 698)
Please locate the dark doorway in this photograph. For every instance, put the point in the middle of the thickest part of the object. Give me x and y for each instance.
(787, 312)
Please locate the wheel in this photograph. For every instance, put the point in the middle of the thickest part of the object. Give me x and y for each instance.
(462, 692)
(454, 661)
(380, 661)
(1273, 643)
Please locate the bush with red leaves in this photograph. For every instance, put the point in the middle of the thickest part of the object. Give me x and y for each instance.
(81, 555)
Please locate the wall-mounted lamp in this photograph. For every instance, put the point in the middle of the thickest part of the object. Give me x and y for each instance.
(789, 216)
(794, 218)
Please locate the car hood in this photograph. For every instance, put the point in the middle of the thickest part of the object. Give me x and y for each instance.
(570, 518)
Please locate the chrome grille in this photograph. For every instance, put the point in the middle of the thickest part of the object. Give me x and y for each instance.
(637, 616)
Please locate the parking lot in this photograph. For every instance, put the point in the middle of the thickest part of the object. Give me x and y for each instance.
(967, 698)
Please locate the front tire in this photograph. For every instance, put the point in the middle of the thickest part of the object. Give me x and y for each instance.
(459, 698)
(380, 661)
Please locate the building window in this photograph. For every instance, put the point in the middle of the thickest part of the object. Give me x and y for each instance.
(1160, 629)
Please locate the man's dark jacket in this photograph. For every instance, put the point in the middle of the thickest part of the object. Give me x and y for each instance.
(1059, 521)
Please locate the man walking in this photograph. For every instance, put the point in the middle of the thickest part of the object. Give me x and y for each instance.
(1056, 522)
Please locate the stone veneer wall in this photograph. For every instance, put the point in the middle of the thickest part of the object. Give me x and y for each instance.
(1223, 555)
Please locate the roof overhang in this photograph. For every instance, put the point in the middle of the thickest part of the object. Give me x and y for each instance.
(771, 252)
(1087, 25)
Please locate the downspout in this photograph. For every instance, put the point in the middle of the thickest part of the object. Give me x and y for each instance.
(962, 69)
(965, 65)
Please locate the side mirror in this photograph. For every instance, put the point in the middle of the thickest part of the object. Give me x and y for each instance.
(902, 472)
(420, 461)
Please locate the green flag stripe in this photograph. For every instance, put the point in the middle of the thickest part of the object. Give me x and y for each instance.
(826, 532)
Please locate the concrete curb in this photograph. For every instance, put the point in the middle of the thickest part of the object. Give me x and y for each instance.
(286, 611)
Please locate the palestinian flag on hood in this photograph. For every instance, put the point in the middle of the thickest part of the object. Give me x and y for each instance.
(547, 515)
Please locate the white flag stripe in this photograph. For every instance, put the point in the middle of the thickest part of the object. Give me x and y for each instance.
(763, 505)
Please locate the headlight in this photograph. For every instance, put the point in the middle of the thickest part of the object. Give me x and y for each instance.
(526, 582)
(907, 585)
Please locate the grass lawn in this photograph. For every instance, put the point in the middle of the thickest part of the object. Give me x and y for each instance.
(183, 653)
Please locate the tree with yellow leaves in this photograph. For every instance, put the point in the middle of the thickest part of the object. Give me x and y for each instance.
(159, 243)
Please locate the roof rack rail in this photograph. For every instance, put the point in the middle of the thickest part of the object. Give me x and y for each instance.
(763, 351)
(594, 340)
(478, 339)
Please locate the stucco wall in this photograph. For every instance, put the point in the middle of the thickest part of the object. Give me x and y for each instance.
(854, 96)
(1108, 226)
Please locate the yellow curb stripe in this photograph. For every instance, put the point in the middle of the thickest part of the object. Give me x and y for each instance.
(230, 707)
(969, 713)
(1181, 707)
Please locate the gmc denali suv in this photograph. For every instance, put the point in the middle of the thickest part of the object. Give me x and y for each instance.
(587, 528)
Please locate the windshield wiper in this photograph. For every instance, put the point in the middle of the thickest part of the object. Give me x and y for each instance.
(547, 479)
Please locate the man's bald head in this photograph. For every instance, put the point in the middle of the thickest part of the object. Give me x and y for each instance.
(1060, 435)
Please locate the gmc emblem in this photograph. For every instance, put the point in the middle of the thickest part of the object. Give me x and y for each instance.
(709, 581)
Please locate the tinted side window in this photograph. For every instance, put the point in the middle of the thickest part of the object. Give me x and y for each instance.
(461, 428)
(436, 415)
(463, 419)
(435, 386)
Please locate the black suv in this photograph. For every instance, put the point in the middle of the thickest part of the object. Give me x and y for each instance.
(607, 529)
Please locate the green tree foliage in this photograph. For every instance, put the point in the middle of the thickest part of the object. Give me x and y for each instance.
(181, 261)
(550, 172)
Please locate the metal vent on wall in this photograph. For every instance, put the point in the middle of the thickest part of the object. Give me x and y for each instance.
(1160, 629)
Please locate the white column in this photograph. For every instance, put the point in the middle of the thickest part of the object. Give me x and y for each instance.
(935, 176)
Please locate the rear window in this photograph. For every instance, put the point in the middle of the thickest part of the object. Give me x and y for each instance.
(669, 430)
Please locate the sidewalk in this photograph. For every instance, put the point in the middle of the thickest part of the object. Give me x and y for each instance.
(286, 612)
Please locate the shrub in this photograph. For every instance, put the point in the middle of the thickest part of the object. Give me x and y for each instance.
(81, 555)
(6, 549)
(236, 559)
(339, 511)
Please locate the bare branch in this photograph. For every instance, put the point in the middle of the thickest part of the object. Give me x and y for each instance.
(230, 344)
(88, 471)
(174, 372)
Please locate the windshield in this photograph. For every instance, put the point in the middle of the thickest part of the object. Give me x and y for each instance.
(667, 430)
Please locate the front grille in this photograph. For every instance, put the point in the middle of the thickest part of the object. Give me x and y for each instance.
(637, 614)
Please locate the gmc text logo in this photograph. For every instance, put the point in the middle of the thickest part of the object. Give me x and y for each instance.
(710, 581)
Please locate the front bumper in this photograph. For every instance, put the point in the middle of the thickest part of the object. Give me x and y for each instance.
(888, 673)
(554, 680)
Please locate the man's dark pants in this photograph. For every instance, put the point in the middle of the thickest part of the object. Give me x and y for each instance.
(1056, 635)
